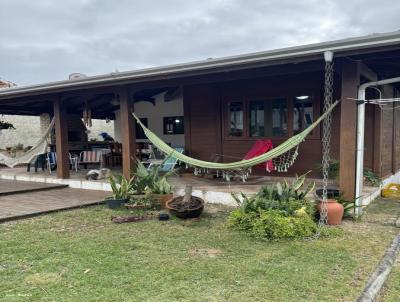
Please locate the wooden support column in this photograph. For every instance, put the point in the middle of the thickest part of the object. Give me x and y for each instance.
(127, 132)
(348, 129)
(61, 127)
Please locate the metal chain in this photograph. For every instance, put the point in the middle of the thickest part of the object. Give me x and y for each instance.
(326, 142)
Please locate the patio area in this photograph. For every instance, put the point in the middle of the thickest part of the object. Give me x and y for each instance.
(21, 199)
(211, 189)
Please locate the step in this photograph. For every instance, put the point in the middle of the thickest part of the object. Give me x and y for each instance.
(11, 187)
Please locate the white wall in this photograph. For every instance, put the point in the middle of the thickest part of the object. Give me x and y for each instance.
(27, 131)
(155, 117)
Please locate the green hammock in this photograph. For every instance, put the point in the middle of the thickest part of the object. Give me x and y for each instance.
(243, 164)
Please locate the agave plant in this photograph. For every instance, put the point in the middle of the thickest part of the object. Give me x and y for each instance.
(281, 196)
(152, 180)
(285, 191)
(121, 186)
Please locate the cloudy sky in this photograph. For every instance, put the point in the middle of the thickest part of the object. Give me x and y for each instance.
(46, 40)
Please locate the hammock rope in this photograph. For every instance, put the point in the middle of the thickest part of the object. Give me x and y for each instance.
(31, 154)
(246, 164)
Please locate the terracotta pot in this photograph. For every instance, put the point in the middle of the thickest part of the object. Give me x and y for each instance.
(335, 211)
(161, 199)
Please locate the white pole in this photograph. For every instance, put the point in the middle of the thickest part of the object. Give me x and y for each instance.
(360, 137)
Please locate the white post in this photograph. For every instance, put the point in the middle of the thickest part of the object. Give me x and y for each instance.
(360, 137)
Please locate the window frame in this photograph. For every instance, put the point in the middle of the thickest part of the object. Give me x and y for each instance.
(181, 117)
(289, 97)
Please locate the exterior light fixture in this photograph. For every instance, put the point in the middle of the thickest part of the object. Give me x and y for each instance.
(302, 97)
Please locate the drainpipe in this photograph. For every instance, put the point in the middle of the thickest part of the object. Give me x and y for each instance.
(360, 135)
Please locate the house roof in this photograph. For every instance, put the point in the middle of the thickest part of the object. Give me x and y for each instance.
(299, 53)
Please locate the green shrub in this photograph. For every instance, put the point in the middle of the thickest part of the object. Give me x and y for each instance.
(279, 211)
(241, 221)
(272, 224)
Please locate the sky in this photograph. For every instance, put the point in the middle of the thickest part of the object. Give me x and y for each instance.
(46, 40)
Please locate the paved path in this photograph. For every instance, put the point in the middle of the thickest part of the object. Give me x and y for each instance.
(12, 187)
(28, 204)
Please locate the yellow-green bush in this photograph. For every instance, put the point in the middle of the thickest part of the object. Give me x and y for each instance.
(272, 224)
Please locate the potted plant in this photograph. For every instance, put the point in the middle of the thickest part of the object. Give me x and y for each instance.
(158, 185)
(140, 183)
(161, 191)
(187, 206)
(121, 188)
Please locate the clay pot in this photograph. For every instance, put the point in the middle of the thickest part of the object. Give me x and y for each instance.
(161, 199)
(335, 211)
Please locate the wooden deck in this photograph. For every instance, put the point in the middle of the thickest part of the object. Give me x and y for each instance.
(25, 204)
(8, 187)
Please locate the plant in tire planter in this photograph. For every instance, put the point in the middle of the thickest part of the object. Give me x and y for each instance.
(121, 188)
(187, 206)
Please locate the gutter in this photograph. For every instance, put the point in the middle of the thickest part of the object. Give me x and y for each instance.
(360, 136)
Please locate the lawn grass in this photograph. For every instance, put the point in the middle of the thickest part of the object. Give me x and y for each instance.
(391, 289)
(81, 255)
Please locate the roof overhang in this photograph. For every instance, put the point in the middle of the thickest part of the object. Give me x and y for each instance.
(304, 53)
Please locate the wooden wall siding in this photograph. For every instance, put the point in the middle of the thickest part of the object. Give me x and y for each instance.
(335, 134)
(203, 105)
(396, 148)
(369, 136)
(202, 133)
(387, 136)
(348, 125)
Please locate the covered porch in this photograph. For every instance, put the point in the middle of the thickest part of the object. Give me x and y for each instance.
(224, 105)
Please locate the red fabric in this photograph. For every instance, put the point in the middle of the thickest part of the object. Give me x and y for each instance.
(260, 147)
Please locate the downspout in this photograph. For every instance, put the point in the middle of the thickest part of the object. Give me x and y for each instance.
(360, 136)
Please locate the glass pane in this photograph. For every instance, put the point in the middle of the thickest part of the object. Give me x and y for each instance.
(256, 118)
(173, 125)
(279, 117)
(302, 113)
(178, 125)
(236, 119)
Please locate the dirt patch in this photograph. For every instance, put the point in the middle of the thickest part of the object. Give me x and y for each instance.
(43, 278)
(210, 253)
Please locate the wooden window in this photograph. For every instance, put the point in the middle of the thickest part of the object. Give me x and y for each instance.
(268, 118)
(303, 112)
(139, 131)
(236, 125)
(278, 118)
(256, 118)
(173, 125)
